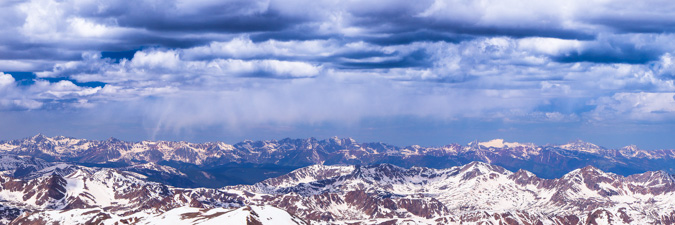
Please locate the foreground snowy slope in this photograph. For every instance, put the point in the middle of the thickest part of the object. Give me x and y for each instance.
(474, 193)
(260, 215)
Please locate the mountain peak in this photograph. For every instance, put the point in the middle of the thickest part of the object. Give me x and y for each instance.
(588, 171)
(589, 168)
(335, 139)
(38, 136)
(631, 148)
(113, 139)
(476, 168)
(500, 143)
(579, 145)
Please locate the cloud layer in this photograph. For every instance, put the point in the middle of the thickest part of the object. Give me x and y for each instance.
(180, 67)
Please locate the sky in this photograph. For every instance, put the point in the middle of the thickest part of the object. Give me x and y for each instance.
(428, 72)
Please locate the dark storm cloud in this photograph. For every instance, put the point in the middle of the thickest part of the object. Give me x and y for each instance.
(611, 53)
(268, 21)
(645, 24)
(156, 40)
(407, 29)
(418, 58)
(44, 53)
(407, 24)
(362, 54)
(302, 32)
(177, 16)
(417, 36)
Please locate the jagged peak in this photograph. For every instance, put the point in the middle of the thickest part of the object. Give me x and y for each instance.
(659, 176)
(38, 137)
(335, 139)
(523, 175)
(113, 139)
(523, 172)
(309, 174)
(482, 167)
(382, 166)
(385, 169)
(585, 169)
(589, 171)
(341, 141)
(590, 168)
(349, 140)
(630, 148)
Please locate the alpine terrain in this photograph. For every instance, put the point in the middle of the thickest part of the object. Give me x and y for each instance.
(59, 180)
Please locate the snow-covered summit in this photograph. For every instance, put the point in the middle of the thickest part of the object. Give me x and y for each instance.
(579, 145)
(500, 143)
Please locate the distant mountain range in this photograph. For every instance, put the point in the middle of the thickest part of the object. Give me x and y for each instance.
(216, 164)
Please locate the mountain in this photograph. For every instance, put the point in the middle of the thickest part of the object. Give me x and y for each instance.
(217, 164)
(475, 193)
(256, 215)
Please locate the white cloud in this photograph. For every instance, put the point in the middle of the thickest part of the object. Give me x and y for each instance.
(549, 46)
(86, 28)
(13, 98)
(155, 59)
(635, 106)
(43, 19)
(243, 47)
(6, 80)
(271, 68)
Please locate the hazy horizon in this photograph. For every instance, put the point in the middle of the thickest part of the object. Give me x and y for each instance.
(320, 138)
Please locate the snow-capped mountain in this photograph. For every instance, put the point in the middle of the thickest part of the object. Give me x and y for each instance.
(261, 215)
(216, 164)
(475, 193)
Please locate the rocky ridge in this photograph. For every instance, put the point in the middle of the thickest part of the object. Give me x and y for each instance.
(474, 193)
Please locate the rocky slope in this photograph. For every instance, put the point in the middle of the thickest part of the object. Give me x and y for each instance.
(475, 193)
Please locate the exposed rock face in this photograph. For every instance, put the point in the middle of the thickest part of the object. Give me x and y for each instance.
(476, 193)
(245, 162)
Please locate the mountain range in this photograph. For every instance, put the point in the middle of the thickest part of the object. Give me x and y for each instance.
(62, 180)
(217, 164)
(475, 193)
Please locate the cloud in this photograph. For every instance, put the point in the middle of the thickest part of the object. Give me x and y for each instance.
(631, 17)
(515, 78)
(636, 106)
(6, 80)
(180, 65)
(11, 100)
(165, 67)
